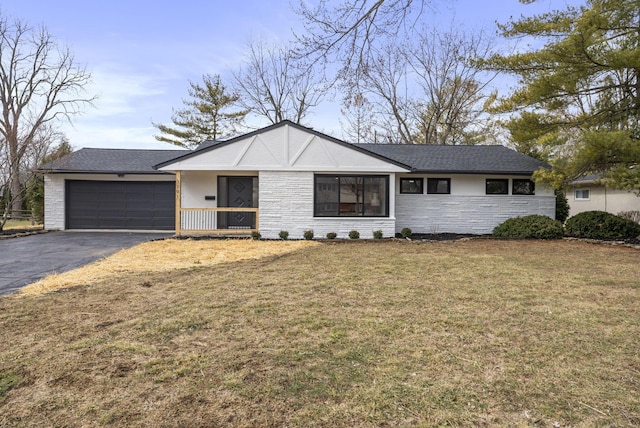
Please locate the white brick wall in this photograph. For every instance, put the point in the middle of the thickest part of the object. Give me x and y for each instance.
(465, 214)
(54, 201)
(286, 203)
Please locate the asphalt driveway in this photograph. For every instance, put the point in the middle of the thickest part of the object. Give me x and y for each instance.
(27, 259)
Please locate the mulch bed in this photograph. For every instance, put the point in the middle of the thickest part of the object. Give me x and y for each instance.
(441, 236)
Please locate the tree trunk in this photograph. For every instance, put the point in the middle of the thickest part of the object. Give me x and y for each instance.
(15, 189)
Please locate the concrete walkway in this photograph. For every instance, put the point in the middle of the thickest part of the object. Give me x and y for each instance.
(27, 259)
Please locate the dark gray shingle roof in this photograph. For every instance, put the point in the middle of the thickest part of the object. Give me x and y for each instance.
(458, 159)
(419, 158)
(123, 161)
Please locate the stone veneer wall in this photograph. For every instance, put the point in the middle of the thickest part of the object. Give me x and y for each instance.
(466, 214)
(286, 203)
(54, 202)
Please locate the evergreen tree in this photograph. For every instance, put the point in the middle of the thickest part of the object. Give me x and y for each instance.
(579, 96)
(206, 115)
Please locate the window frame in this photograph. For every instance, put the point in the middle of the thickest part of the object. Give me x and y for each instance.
(582, 190)
(417, 180)
(438, 179)
(523, 180)
(502, 180)
(383, 204)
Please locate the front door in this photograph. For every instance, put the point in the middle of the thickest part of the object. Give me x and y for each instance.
(240, 195)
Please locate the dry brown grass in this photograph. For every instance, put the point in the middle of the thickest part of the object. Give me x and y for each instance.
(21, 224)
(477, 333)
(165, 256)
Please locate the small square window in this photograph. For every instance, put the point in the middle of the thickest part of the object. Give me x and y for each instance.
(439, 186)
(497, 186)
(523, 187)
(411, 185)
(581, 194)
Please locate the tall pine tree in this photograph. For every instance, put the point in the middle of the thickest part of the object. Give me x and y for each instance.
(207, 115)
(579, 97)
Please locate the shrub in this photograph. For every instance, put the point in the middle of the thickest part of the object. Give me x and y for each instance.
(354, 234)
(331, 235)
(405, 232)
(531, 226)
(256, 235)
(630, 215)
(308, 235)
(377, 234)
(284, 235)
(562, 206)
(601, 225)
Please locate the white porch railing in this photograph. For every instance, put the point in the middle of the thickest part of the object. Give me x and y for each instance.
(205, 221)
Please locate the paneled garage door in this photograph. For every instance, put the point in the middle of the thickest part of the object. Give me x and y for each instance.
(145, 205)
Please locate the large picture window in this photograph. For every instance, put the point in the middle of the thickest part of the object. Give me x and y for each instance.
(351, 196)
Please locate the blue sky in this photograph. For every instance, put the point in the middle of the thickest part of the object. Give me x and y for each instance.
(142, 53)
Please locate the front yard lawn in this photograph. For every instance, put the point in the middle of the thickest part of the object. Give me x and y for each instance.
(365, 334)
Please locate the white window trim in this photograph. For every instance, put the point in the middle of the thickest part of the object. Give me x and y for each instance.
(575, 194)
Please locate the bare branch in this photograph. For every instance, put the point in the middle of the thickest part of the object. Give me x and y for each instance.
(274, 84)
(40, 82)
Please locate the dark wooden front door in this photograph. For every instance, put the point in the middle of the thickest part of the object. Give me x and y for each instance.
(240, 195)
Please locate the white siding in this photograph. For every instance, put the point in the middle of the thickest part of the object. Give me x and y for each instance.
(603, 199)
(286, 203)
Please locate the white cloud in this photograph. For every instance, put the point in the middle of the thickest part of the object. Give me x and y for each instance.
(120, 91)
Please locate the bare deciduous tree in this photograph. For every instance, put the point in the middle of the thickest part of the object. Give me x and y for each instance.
(346, 32)
(359, 125)
(274, 86)
(40, 82)
(454, 91)
(385, 79)
(429, 91)
(46, 141)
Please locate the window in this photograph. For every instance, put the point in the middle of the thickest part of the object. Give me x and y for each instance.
(523, 187)
(439, 185)
(581, 194)
(497, 186)
(411, 185)
(351, 196)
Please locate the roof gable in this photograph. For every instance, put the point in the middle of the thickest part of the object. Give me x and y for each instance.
(283, 146)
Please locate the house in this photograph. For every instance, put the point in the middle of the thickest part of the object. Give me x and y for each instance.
(293, 178)
(591, 194)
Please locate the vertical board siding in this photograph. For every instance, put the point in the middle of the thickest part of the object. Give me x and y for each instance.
(198, 220)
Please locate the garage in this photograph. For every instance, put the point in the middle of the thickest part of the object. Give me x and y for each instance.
(133, 205)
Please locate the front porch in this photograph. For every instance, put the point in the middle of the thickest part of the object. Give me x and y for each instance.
(216, 221)
(214, 203)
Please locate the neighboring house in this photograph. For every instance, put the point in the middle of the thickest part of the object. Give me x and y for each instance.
(590, 194)
(293, 178)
